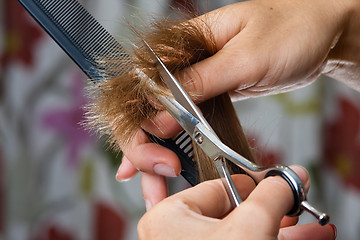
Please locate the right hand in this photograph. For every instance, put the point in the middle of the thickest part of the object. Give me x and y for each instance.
(205, 212)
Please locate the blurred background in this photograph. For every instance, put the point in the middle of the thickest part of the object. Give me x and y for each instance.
(57, 180)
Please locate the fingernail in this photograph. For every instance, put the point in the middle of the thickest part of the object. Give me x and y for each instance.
(118, 174)
(121, 180)
(164, 170)
(334, 229)
(148, 204)
(119, 177)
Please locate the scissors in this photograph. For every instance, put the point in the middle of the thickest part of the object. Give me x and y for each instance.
(185, 112)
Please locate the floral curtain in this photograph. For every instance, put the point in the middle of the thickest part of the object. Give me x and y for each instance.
(57, 179)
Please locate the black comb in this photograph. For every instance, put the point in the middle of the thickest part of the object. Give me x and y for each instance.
(83, 38)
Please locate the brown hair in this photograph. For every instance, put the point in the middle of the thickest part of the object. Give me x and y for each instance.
(120, 104)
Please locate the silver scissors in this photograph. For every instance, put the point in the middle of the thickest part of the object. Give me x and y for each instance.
(185, 112)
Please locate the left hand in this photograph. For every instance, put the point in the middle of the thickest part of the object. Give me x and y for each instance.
(264, 47)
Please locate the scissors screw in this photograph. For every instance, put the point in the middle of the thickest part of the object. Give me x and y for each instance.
(198, 138)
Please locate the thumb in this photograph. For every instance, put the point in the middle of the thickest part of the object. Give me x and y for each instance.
(271, 200)
(223, 72)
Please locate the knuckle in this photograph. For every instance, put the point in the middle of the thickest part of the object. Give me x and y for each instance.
(257, 211)
(280, 183)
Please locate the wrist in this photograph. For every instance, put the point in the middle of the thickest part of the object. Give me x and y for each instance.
(347, 47)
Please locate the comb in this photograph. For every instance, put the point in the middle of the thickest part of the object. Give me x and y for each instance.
(85, 40)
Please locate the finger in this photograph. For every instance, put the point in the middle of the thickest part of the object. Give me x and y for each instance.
(308, 231)
(288, 221)
(303, 175)
(203, 78)
(271, 200)
(218, 20)
(154, 189)
(151, 157)
(232, 41)
(163, 125)
(126, 170)
(210, 199)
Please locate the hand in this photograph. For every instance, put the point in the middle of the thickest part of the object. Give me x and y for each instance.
(265, 47)
(268, 47)
(205, 212)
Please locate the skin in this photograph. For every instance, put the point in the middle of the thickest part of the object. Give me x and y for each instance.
(264, 47)
(275, 51)
(205, 212)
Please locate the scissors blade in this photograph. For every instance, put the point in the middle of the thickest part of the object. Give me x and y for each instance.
(182, 115)
(176, 89)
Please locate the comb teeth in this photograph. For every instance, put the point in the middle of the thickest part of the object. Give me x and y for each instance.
(87, 35)
(183, 141)
(99, 55)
